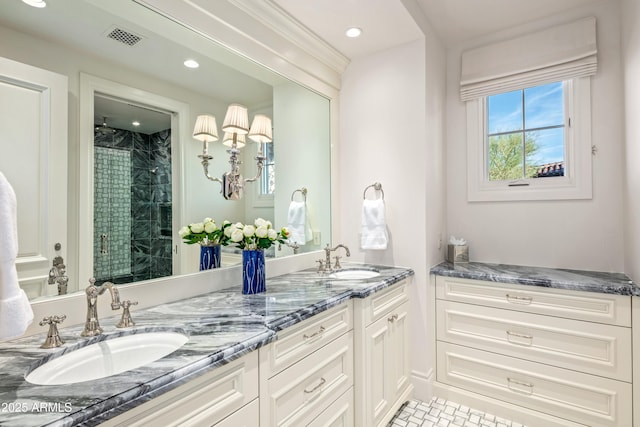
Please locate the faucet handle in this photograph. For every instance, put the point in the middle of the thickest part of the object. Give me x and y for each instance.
(320, 265)
(126, 321)
(53, 337)
(337, 265)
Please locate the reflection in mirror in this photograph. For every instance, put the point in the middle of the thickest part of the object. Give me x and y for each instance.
(73, 39)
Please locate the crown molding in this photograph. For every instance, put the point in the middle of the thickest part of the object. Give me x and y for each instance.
(278, 20)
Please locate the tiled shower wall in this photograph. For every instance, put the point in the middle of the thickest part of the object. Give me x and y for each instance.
(132, 206)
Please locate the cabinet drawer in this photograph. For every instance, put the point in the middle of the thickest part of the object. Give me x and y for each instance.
(379, 304)
(300, 340)
(248, 416)
(590, 306)
(588, 399)
(297, 395)
(201, 402)
(338, 414)
(593, 348)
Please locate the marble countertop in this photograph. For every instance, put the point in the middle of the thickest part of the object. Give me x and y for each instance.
(222, 326)
(575, 280)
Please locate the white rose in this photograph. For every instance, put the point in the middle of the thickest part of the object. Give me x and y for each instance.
(183, 231)
(206, 220)
(238, 225)
(269, 225)
(236, 235)
(260, 223)
(210, 227)
(225, 222)
(262, 232)
(196, 228)
(249, 230)
(229, 230)
(272, 234)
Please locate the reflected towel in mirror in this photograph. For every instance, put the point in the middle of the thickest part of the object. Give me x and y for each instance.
(374, 226)
(15, 311)
(298, 223)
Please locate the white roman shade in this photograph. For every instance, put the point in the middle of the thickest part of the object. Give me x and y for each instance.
(559, 53)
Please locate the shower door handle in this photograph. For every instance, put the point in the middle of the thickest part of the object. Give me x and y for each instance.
(103, 244)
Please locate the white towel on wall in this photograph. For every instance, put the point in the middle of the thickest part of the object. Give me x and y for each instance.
(374, 227)
(15, 310)
(298, 223)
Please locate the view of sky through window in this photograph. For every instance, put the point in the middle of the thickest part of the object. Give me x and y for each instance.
(525, 131)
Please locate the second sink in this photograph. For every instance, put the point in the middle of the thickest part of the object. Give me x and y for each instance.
(107, 357)
(355, 274)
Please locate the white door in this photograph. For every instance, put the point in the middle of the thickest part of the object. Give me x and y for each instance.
(33, 147)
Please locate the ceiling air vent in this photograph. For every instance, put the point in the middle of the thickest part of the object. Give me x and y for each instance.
(123, 36)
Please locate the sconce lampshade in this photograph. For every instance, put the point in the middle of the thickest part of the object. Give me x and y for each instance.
(205, 129)
(261, 129)
(236, 120)
(228, 140)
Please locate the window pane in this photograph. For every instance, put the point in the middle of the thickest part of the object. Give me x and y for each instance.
(506, 157)
(545, 153)
(544, 106)
(505, 112)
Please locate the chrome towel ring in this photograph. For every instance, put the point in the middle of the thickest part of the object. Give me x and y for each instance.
(377, 187)
(302, 190)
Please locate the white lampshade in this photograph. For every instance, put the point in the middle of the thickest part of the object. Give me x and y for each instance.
(228, 140)
(205, 129)
(236, 120)
(261, 129)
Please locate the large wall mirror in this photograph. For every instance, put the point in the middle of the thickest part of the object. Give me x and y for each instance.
(130, 187)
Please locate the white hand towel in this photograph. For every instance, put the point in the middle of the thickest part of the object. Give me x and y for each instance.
(374, 226)
(298, 223)
(15, 311)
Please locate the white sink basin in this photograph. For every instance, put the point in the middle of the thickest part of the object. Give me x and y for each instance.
(108, 357)
(354, 274)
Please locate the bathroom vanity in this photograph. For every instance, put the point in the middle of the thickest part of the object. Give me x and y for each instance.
(312, 348)
(541, 346)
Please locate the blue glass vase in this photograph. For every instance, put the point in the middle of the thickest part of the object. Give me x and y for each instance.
(209, 257)
(253, 272)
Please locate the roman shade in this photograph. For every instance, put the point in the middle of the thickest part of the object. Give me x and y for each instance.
(559, 53)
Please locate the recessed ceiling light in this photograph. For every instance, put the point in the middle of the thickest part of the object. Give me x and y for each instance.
(136, 123)
(191, 63)
(353, 32)
(35, 3)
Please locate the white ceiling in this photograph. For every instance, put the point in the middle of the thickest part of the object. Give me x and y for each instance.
(387, 23)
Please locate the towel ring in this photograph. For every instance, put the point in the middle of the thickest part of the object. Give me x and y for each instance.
(302, 190)
(376, 186)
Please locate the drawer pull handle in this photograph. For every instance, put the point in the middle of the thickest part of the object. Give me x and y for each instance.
(511, 381)
(519, 335)
(320, 383)
(514, 299)
(392, 318)
(315, 334)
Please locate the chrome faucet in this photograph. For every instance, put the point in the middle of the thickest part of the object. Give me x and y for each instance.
(92, 326)
(57, 275)
(327, 262)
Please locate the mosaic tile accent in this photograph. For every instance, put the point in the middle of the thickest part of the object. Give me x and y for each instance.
(444, 413)
(146, 218)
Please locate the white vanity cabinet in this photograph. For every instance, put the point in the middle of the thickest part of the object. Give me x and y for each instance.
(307, 373)
(382, 364)
(226, 396)
(556, 357)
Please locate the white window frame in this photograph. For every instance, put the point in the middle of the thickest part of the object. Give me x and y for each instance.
(577, 182)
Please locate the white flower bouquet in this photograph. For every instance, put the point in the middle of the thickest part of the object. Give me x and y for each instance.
(206, 233)
(259, 235)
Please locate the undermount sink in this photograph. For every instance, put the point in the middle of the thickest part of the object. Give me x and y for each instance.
(108, 357)
(355, 274)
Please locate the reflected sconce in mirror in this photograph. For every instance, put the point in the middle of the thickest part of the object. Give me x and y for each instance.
(235, 127)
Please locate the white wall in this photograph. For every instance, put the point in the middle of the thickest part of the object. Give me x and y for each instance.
(584, 234)
(631, 63)
(391, 107)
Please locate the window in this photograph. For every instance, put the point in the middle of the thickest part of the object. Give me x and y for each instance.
(268, 177)
(526, 133)
(532, 143)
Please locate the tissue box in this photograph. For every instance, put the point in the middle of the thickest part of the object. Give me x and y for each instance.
(458, 253)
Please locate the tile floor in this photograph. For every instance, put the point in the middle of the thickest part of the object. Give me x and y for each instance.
(443, 413)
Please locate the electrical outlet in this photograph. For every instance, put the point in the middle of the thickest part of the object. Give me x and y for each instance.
(316, 238)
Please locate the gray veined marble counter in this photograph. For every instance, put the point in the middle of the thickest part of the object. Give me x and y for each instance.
(222, 326)
(576, 280)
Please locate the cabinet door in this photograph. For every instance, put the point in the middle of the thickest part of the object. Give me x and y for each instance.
(400, 368)
(378, 376)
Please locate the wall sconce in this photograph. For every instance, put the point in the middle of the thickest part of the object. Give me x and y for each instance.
(235, 126)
